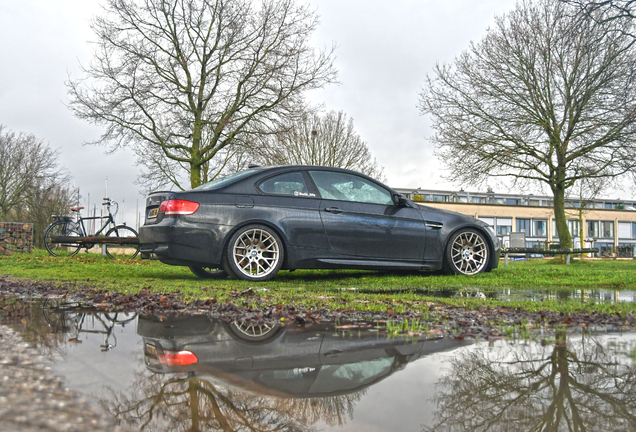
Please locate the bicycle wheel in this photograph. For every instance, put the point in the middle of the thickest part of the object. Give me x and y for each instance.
(61, 229)
(124, 231)
(62, 316)
(120, 318)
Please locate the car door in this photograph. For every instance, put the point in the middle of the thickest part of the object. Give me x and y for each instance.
(361, 219)
(291, 203)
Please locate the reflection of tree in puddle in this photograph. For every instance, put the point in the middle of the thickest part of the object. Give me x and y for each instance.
(580, 385)
(192, 403)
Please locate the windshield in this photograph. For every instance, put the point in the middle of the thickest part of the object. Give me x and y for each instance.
(219, 182)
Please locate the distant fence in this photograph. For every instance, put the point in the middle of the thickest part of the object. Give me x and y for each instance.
(15, 237)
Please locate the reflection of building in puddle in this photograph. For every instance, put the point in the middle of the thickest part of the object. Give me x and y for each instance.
(591, 295)
(505, 294)
(577, 384)
(211, 375)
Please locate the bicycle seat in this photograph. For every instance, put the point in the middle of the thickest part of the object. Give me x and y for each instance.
(76, 208)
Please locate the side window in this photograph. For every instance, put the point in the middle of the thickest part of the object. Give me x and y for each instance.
(285, 184)
(348, 187)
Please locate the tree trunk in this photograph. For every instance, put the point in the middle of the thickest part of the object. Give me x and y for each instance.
(195, 175)
(193, 390)
(565, 239)
(195, 155)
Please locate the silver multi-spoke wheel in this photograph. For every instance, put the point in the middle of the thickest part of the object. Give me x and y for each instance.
(251, 330)
(256, 253)
(469, 253)
(254, 333)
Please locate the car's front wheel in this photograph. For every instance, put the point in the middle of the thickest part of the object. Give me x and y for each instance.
(467, 253)
(254, 253)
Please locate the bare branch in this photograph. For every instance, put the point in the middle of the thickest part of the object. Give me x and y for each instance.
(189, 78)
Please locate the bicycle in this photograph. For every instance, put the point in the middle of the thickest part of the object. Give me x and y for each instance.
(73, 226)
(70, 318)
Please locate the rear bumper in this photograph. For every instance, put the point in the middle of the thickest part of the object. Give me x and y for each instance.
(178, 243)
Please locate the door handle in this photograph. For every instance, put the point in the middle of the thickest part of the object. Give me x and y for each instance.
(333, 210)
(333, 353)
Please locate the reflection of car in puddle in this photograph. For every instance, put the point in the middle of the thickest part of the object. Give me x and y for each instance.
(293, 360)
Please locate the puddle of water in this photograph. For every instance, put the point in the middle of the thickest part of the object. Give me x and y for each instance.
(606, 296)
(192, 373)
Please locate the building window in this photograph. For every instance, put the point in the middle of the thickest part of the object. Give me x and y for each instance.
(625, 230)
(504, 226)
(478, 200)
(607, 229)
(573, 226)
(440, 198)
(523, 225)
(534, 202)
(607, 249)
(633, 229)
(593, 229)
(512, 201)
(462, 199)
(540, 228)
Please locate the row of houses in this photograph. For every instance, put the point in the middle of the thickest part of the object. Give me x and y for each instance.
(608, 224)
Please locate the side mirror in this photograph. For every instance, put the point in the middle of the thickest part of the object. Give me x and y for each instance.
(400, 200)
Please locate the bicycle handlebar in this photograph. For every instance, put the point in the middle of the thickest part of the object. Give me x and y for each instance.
(109, 202)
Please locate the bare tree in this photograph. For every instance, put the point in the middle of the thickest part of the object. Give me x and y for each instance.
(27, 166)
(541, 96)
(182, 80)
(605, 10)
(44, 200)
(315, 139)
(574, 385)
(196, 403)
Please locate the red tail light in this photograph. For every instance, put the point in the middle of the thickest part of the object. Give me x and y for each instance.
(178, 358)
(178, 207)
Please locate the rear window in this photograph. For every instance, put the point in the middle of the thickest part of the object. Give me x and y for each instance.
(219, 182)
(285, 184)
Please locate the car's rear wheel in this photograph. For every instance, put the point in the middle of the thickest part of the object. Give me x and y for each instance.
(254, 253)
(467, 253)
(208, 272)
(254, 333)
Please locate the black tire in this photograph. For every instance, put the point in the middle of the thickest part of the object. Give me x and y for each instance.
(125, 249)
(254, 253)
(467, 253)
(57, 229)
(254, 334)
(208, 272)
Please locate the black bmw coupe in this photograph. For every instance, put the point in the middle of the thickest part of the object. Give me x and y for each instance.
(258, 221)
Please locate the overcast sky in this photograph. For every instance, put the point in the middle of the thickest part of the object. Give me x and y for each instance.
(385, 49)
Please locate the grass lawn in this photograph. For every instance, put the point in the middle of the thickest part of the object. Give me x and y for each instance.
(356, 290)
